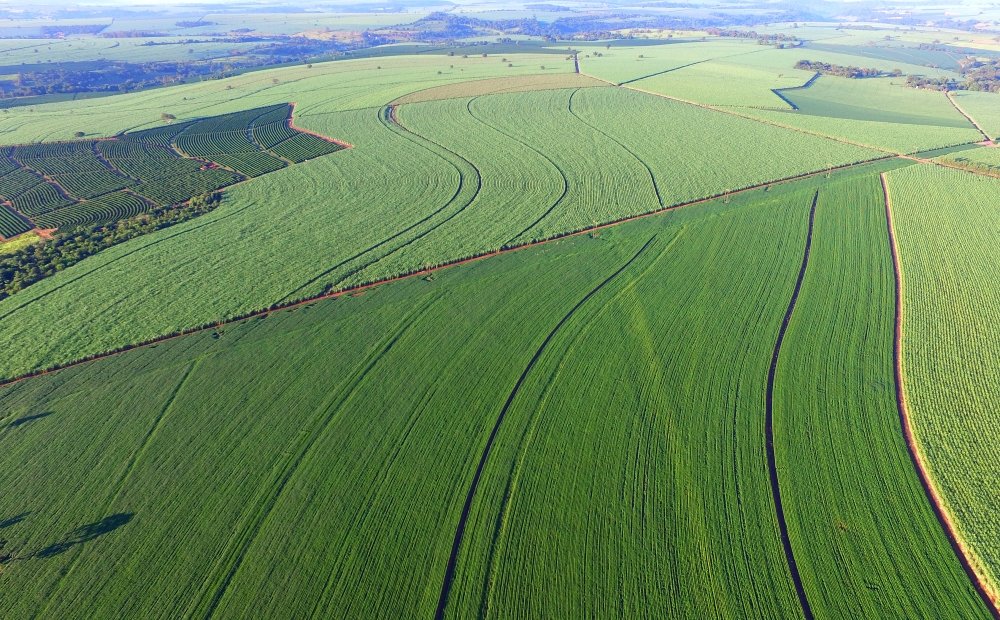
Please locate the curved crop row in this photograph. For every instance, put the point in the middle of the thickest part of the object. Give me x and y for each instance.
(107, 208)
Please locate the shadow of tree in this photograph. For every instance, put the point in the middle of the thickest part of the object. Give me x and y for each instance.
(29, 418)
(86, 533)
(13, 520)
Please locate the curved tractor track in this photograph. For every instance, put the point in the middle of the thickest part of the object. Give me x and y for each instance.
(772, 466)
(449, 576)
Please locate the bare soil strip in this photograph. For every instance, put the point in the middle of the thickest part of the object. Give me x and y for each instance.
(772, 467)
(913, 446)
(354, 290)
(449, 575)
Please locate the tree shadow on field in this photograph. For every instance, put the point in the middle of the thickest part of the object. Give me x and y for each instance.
(13, 520)
(29, 418)
(86, 533)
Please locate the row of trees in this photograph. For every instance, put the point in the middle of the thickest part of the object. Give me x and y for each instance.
(26, 266)
(845, 70)
(977, 75)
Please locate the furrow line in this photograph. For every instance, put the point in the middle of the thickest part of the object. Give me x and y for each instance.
(772, 466)
(449, 575)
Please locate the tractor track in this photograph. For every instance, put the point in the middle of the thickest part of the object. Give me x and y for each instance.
(772, 467)
(449, 575)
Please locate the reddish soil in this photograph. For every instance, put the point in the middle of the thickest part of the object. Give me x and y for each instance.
(912, 444)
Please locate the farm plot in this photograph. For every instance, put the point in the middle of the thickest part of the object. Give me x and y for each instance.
(876, 99)
(726, 83)
(846, 476)
(93, 173)
(623, 63)
(982, 160)
(890, 137)
(950, 350)
(375, 463)
(368, 217)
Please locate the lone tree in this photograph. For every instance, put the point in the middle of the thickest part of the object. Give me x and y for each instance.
(79, 134)
(166, 118)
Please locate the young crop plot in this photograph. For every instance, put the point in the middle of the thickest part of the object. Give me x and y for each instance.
(890, 137)
(945, 223)
(68, 184)
(839, 444)
(500, 86)
(981, 160)
(618, 63)
(726, 83)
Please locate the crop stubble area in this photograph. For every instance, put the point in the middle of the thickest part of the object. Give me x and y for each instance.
(601, 401)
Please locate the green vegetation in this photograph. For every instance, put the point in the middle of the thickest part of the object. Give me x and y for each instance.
(880, 99)
(984, 108)
(680, 400)
(944, 228)
(10, 223)
(643, 321)
(24, 263)
(290, 245)
(839, 437)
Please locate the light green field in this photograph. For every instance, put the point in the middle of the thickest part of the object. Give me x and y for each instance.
(891, 137)
(727, 83)
(876, 99)
(43, 51)
(619, 64)
(951, 347)
(324, 88)
(984, 108)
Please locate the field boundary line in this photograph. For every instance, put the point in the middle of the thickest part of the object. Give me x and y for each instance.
(772, 466)
(964, 554)
(449, 575)
(969, 118)
(416, 273)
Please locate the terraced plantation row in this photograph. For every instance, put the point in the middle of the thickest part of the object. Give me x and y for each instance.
(438, 471)
(87, 182)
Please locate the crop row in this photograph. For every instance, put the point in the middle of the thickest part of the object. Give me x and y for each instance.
(252, 164)
(178, 189)
(42, 198)
(11, 224)
(107, 208)
(302, 147)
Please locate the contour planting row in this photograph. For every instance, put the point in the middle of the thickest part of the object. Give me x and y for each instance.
(53, 184)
